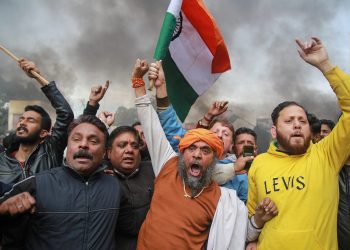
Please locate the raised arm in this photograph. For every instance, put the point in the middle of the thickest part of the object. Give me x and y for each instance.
(336, 145)
(64, 113)
(314, 53)
(158, 146)
(29, 68)
(217, 108)
(168, 119)
(96, 95)
(107, 118)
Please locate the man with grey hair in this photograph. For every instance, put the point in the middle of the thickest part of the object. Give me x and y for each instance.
(189, 210)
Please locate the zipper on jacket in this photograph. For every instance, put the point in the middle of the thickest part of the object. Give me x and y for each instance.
(86, 239)
(20, 165)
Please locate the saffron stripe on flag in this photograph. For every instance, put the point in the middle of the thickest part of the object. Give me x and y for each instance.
(193, 52)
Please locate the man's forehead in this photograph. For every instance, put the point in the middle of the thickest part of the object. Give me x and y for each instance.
(245, 137)
(221, 126)
(86, 129)
(292, 110)
(325, 126)
(125, 136)
(31, 114)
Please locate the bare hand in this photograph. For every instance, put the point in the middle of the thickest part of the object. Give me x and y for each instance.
(241, 162)
(217, 108)
(251, 246)
(19, 203)
(265, 211)
(156, 73)
(107, 118)
(314, 53)
(97, 93)
(28, 66)
(140, 68)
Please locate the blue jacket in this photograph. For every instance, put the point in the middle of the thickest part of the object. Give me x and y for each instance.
(172, 127)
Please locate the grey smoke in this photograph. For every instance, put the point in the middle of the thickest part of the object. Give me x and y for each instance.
(82, 43)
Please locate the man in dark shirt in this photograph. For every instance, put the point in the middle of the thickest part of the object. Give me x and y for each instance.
(136, 178)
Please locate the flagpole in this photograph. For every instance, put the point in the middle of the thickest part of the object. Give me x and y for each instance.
(15, 58)
(151, 84)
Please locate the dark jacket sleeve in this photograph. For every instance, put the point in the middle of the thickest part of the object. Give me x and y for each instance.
(64, 116)
(4, 188)
(91, 110)
(344, 209)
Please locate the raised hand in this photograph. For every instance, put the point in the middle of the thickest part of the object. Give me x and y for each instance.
(156, 73)
(28, 66)
(241, 163)
(314, 53)
(97, 93)
(217, 108)
(265, 211)
(140, 68)
(107, 118)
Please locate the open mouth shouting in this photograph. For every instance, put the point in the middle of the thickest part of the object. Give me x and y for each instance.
(21, 130)
(195, 170)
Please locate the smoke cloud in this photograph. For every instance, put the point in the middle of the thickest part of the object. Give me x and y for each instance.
(83, 43)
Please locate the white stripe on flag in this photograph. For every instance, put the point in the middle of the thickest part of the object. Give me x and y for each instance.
(174, 7)
(193, 58)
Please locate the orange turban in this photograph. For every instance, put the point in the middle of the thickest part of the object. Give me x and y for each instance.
(201, 134)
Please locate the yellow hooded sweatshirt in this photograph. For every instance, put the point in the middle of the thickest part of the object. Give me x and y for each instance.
(304, 187)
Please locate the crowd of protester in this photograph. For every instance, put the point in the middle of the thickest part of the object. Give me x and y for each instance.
(79, 184)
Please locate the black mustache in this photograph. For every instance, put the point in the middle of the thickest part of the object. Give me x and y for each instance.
(22, 127)
(83, 153)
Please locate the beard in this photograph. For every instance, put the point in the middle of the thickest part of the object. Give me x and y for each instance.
(30, 139)
(196, 184)
(293, 149)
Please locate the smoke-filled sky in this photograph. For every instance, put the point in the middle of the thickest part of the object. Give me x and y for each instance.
(82, 43)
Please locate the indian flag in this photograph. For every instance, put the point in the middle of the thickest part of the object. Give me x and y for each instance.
(193, 52)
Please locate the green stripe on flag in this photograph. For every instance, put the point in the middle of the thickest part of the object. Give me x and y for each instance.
(181, 94)
(166, 33)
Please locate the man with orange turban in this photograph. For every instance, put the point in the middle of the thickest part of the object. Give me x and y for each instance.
(189, 210)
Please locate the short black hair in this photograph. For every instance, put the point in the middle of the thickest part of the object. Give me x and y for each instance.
(245, 130)
(45, 118)
(315, 124)
(329, 123)
(91, 119)
(121, 130)
(276, 111)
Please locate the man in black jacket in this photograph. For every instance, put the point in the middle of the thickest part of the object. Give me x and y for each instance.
(77, 205)
(38, 146)
(137, 181)
(344, 207)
